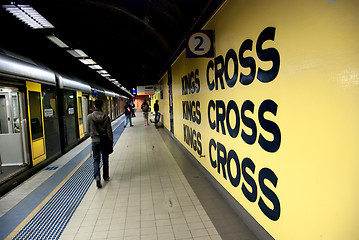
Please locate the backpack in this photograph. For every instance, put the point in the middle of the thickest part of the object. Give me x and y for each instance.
(145, 108)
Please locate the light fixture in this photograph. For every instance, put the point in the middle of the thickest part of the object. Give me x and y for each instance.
(32, 18)
(57, 41)
(28, 15)
(77, 53)
(87, 61)
(95, 66)
(102, 72)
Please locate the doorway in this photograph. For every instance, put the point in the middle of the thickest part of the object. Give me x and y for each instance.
(13, 151)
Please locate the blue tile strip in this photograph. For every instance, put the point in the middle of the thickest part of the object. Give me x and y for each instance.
(53, 217)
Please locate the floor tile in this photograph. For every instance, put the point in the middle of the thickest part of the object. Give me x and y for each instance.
(148, 196)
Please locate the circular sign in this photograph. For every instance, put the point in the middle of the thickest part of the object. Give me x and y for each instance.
(199, 43)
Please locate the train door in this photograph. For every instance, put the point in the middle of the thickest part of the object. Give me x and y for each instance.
(80, 114)
(4, 113)
(85, 110)
(112, 108)
(91, 103)
(109, 106)
(36, 126)
(115, 107)
(50, 100)
(12, 129)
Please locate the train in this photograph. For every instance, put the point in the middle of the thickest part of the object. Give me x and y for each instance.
(43, 114)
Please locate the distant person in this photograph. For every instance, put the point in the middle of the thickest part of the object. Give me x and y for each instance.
(132, 104)
(156, 108)
(99, 125)
(145, 108)
(128, 114)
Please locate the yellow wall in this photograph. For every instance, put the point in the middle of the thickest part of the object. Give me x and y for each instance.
(306, 164)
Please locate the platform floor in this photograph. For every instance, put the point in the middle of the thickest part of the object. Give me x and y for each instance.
(154, 192)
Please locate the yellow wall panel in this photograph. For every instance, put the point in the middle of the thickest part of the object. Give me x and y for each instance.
(311, 106)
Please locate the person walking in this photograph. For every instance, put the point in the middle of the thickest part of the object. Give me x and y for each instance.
(132, 104)
(145, 108)
(156, 108)
(128, 114)
(99, 124)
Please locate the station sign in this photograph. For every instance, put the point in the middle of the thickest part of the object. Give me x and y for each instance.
(200, 44)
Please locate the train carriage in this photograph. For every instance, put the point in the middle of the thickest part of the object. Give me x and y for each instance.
(43, 113)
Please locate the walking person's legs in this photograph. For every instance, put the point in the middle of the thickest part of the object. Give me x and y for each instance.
(96, 153)
(144, 118)
(127, 119)
(156, 117)
(130, 117)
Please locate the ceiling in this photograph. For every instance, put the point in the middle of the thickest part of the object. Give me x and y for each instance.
(135, 41)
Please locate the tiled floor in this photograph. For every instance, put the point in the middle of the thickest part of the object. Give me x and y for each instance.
(147, 197)
(10, 200)
(154, 192)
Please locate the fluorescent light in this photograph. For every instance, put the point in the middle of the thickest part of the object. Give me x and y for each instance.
(28, 15)
(81, 53)
(57, 41)
(87, 61)
(73, 53)
(77, 53)
(102, 71)
(106, 75)
(95, 66)
(35, 15)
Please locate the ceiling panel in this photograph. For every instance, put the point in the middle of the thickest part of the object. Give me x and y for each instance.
(134, 40)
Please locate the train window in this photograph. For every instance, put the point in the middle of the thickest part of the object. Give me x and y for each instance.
(15, 112)
(36, 115)
(91, 105)
(3, 115)
(49, 103)
(79, 107)
(69, 104)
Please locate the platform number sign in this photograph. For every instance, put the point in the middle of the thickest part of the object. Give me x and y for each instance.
(200, 44)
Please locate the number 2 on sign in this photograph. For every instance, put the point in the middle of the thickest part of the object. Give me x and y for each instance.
(199, 43)
(198, 47)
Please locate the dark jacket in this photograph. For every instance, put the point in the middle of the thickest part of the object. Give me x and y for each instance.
(127, 109)
(103, 122)
(145, 107)
(156, 107)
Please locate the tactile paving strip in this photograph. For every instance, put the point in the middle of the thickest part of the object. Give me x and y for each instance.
(51, 220)
(53, 217)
